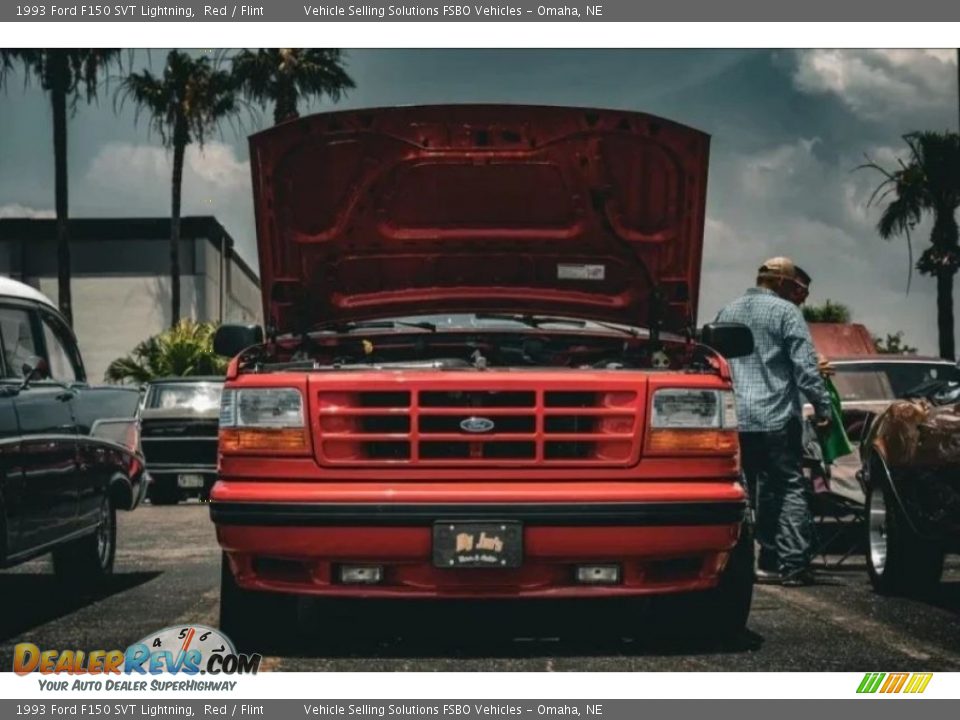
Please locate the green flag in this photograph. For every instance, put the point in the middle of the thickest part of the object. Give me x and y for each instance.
(834, 441)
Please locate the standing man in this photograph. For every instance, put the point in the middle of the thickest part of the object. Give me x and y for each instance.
(769, 384)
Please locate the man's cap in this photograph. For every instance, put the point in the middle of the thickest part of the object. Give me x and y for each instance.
(783, 268)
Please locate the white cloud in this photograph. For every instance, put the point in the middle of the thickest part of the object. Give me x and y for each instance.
(16, 210)
(796, 199)
(881, 84)
(134, 179)
(127, 168)
(766, 173)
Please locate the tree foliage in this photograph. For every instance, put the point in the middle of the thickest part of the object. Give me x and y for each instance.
(893, 344)
(926, 184)
(186, 349)
(284, 76)
(828, 312)
(184, 104)
(68, 75)
(77, 72)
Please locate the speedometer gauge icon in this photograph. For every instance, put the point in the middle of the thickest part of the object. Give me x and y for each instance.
(179, 640)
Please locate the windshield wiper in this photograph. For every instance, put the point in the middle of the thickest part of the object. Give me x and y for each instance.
(378, 324)
(537, 321)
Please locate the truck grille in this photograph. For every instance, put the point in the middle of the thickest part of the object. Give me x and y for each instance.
(495, 426)
(179, 444)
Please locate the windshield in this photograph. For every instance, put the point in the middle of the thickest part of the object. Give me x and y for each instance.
(197, 396)
(887, 380)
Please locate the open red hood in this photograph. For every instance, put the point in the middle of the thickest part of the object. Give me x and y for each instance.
(595, 214)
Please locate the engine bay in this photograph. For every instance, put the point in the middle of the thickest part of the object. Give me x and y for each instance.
(479, 351)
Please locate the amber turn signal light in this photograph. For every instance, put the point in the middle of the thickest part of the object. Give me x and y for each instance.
(289, 440)
(664, 441)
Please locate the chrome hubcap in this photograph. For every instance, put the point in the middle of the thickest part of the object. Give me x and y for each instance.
(877, 524)
(104, 533)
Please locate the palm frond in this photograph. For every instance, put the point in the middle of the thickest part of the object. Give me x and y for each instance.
(924, 183)
(184, 350)
(186, 102)
(283, 76)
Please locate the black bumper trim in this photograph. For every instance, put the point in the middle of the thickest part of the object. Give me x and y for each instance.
(654, 514)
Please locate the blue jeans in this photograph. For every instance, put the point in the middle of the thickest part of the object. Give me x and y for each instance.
(780, 495)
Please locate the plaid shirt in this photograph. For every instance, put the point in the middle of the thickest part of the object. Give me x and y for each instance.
(768, 383)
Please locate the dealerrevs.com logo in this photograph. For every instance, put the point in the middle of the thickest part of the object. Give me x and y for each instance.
(895, 682)
(180, 650)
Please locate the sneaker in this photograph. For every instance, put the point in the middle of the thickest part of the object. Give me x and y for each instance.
(767, 577)
(798, 578)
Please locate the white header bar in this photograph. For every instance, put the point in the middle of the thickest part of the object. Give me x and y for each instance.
(483, 35)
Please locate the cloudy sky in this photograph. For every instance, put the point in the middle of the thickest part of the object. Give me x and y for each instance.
(788, 128)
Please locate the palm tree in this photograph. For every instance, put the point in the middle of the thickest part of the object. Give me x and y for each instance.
(186, 349)
(927, 183)
(185, 104)
(67, 74)
(284, 76)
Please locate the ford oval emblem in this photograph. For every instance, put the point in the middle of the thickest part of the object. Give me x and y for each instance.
(476, 425)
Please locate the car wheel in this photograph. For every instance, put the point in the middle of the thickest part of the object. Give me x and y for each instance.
(721, 612)
(899, 562)
(251, 618)
(88, 561)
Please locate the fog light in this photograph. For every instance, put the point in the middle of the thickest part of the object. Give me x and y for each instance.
(598, 574)
(361, 574)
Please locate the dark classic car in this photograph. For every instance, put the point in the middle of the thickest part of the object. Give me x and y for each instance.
(179, 437)
(910, 471)
(68, 452)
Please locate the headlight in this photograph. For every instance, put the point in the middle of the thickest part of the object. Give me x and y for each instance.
(676, 408)
(258, 419)
(692, 422)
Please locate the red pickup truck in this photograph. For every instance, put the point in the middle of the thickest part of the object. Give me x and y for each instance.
(481, 375)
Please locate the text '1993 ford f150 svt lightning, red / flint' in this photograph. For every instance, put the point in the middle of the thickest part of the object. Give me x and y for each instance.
(481, 375)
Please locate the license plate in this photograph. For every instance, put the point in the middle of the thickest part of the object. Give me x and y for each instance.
(190, 481)
(474, 545)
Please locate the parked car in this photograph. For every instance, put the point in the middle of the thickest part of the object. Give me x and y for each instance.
(179, 437)
(867, 386)
(469, 389)
(910, 472)
(68, 452)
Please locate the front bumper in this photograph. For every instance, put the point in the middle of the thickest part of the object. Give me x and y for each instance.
(666, 537)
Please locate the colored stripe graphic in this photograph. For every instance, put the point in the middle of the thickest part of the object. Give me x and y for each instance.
(894, 682)
(870, 682)
(918, 683)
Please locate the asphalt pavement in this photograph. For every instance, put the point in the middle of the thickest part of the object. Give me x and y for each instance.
(167, 573)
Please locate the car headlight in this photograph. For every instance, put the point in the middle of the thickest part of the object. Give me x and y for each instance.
(258, 419)
(692, 421)
(676, 408)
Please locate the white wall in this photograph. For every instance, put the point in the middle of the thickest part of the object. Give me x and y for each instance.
(111, 315)
(244, 302)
